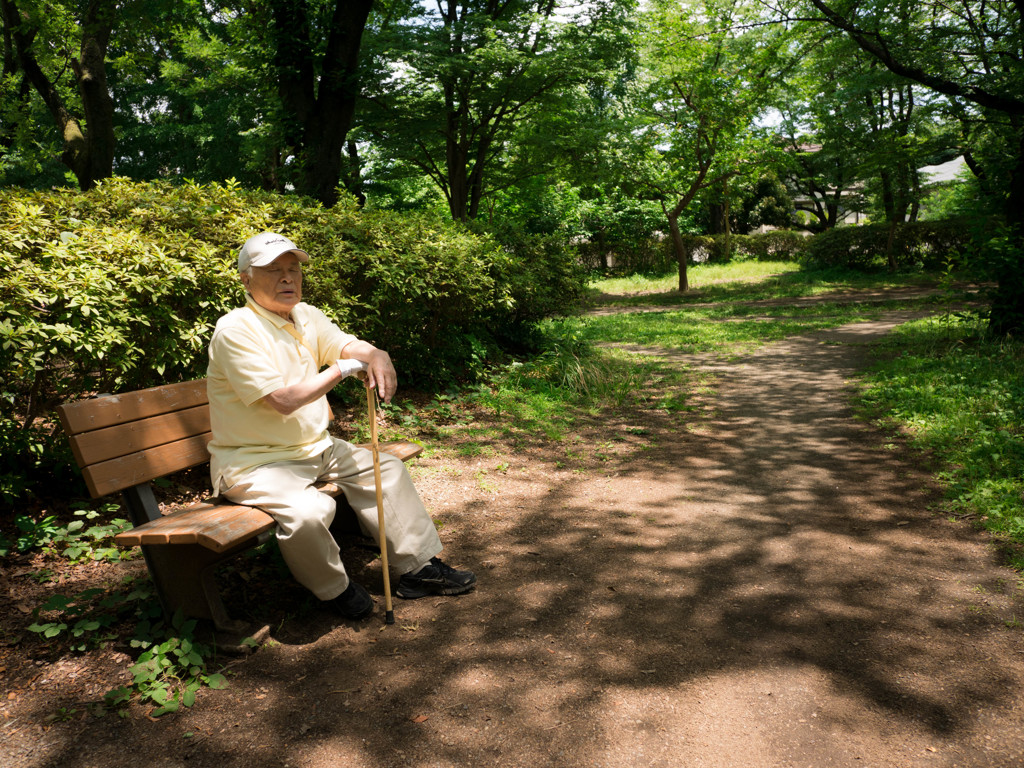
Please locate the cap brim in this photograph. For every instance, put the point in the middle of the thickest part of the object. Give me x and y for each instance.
(269, 257)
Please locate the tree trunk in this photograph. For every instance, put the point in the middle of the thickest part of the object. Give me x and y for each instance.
(89, 151)
(1006, 315)
(321, 109)
(458, 181)
(890, 246)
(716, 218)
(353, 176)
(97, 103)
(892, 215)
(727, 230)
(677, 246)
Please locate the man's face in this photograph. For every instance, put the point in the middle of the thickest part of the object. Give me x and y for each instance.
(276, 287)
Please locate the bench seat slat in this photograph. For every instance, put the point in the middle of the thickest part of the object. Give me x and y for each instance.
(403, 449)
(215, 526)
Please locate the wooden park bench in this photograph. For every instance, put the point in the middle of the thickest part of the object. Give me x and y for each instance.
(124, 442)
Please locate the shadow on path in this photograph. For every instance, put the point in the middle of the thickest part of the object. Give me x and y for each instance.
(768, 588)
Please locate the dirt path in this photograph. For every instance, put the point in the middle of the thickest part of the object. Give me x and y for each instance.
(767, 586)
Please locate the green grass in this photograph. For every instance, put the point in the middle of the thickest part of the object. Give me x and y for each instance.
(699, 276)
(960, 396)
(723, 328)
(742, 281)
(580, 371)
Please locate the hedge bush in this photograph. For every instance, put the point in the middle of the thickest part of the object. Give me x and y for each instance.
(927, 244)
(777, 245)
(644, 257)
(657, 256)
(544, 273)
(119, 288)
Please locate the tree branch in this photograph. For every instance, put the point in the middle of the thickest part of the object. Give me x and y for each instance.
(877, 46)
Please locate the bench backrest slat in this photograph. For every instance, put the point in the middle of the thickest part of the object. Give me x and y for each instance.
(141, 467)
(99, 412)
(122, 439)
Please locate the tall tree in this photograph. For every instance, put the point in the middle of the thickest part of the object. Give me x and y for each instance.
(316, 58)
(971, 51)
(81, 109)
(697, 107)
(463, 78)
(820, 118)
(263, 91)
(200, 94)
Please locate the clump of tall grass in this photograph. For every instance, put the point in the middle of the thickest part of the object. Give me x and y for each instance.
(570, 368)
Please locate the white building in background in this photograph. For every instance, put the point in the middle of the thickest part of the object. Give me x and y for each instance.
(936, 174)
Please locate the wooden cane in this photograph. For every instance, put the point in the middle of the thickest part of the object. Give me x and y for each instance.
(371, 406)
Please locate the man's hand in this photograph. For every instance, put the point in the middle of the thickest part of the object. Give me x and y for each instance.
(381, 375)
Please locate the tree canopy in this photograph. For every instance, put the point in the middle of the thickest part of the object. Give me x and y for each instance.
(489, 110)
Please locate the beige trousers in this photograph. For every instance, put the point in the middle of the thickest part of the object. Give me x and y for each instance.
(285, 491)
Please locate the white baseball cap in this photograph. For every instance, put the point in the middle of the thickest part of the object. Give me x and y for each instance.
(263, 248)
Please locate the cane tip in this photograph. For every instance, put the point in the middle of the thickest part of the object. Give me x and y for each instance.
(389, 617)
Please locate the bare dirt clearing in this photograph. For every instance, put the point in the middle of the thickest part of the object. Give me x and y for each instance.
(767, 584)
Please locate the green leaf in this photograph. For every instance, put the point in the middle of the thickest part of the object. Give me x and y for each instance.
(217, 681)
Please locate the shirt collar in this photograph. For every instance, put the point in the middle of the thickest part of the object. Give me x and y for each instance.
(277, 320)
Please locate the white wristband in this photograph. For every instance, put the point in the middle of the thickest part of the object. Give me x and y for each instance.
(350, 367)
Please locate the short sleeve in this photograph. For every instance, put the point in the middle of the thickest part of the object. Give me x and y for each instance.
(235, 353)
(330, 339)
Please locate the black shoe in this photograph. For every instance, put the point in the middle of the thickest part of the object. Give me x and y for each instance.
(354, 603)
(435, 578)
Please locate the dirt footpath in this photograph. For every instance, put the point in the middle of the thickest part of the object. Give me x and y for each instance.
(769, 585)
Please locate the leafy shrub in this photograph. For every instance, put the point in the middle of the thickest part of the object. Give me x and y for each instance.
(416, 285)
(74, 541)
(119, 289)
(775, 245)
(651, 256)
(544, 276)
(172, 665)
(172, 668)
(623, 236)
(927, 244)
(779, 245)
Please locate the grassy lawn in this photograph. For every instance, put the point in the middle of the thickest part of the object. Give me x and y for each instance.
(741, 281)
(738, 320)
(699, 277)
(723, 328)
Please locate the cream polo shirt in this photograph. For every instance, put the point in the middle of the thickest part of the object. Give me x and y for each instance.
(253, 354)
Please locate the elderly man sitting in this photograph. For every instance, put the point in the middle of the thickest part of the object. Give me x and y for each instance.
(272, 363)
